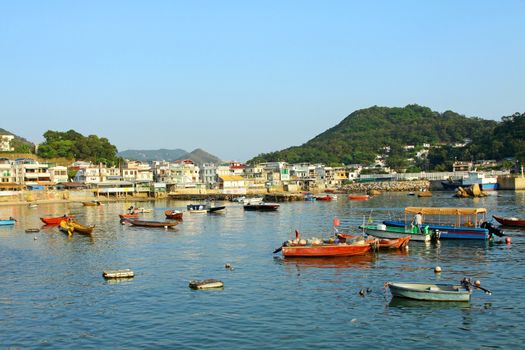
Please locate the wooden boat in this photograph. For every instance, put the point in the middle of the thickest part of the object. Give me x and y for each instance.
(510, 221)
(9, 221)
(128, 216)
(261, 206)
(382, 243)
(55, 220)
(91, 204)
(452, 223)
(173, 214)
(394, 233)
(206, 284)
(203, 208)
(148, 223)
(358, 197)
(424, 194)
(327, 249)
(324, 198)
(430, 292)
(70, 227)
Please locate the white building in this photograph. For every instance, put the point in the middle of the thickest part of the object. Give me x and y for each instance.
(5, 143)
(58, 174)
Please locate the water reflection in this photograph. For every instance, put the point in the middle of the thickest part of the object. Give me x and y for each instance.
(409, 303)
(355, 262)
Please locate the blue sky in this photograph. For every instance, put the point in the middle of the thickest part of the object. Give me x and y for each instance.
(238, 78)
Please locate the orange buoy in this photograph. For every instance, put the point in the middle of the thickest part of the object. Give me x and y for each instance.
(477, 283)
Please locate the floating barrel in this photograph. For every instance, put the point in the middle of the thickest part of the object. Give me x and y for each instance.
(206, 284)
(124, 273)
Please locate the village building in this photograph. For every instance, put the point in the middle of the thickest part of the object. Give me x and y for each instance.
(5, 143)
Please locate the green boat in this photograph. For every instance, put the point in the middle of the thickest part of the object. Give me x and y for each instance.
(390, 232)
(430, 292)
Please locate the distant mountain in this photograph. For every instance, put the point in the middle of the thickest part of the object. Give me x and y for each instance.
(363, 134)
(149, 155)
(198, 155)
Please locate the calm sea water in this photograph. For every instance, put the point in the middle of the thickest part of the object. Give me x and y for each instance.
(53, 295)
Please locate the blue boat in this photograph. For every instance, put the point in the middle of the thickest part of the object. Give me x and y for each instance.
(9, 221)
(309, 197)
(452, 223)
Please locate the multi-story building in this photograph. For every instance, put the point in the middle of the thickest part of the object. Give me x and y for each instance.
(208, 175)
(58, 174)
(32, 174)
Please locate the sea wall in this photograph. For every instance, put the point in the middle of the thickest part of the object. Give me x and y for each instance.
(387, 186)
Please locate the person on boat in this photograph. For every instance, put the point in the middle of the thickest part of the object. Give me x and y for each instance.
(418, 221)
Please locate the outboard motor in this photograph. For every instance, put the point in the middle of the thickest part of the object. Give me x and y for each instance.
(492, 230)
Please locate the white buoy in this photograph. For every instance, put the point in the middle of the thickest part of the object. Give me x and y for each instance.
(437, 269)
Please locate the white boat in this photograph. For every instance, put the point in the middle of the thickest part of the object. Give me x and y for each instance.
(486, 183)
(430, 292)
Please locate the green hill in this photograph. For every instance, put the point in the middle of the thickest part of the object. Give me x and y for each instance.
(361, 136)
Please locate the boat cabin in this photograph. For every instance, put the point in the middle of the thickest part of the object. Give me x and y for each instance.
(457, 217)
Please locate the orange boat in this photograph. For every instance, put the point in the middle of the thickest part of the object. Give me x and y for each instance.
(324, 198)
(55, 220)
(358, 197)
(129, 216)
(300, 248)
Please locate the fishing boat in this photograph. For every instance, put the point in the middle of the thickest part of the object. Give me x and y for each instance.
(358, 197)
(424, 194)
(382, 243)
(70, 227)
(451, 184)
(326, 197)
(91, 204)
(309, 197)
(173, 214)
(510, 221)
(430, 292)
(203, 208)
(383, 231)
(261, 206)
(326, 249)
(144, 210)
(9, 221)
(149, 223)
(55, 220)
(452, 223)
(32, 206)
(210, 283)
(128, 216)
(486, 183)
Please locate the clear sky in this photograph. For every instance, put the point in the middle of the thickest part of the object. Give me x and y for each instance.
(238, 78)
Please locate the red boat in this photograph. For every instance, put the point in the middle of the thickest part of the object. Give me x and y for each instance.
(324, 198)
(128, 216)
(55, 220)
(327, 249)
(358, 197)
(173, 214)
(510, 221)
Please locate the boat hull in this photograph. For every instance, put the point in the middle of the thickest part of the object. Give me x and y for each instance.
(448, 232)
(430, 292)
(356, 197)
(145, 223)
(174, 215)
(395, 233)
(326, 250)
(510, 221)
(261, 207)
(7, 222)
(55, 220)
